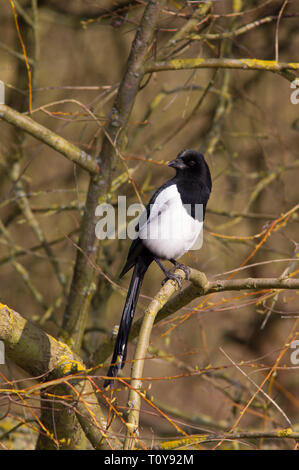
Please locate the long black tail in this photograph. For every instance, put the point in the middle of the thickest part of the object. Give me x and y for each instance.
(120, 348)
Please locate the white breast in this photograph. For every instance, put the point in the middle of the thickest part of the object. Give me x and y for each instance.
(169, 231)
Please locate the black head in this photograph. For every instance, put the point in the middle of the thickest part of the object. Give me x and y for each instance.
(192, 163)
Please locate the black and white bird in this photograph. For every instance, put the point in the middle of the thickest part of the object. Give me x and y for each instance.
(169, 227)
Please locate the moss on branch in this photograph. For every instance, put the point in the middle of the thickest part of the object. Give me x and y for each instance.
(223, 62)
(40, 354)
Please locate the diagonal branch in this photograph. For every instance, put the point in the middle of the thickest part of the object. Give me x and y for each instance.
(50, 138)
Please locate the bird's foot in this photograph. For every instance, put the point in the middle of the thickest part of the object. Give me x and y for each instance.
(173, 277)
(181, 266)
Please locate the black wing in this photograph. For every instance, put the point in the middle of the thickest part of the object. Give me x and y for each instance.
(137, 247)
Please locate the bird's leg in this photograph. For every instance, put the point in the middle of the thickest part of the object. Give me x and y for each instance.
(169, 274)
(181, 266)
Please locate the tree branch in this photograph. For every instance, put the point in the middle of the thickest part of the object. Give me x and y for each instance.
(224, 63)
(39, 354)
(164, 306)
(196, 439)
(234, 33)
(50, 138)
(141, 349)
(200, 286)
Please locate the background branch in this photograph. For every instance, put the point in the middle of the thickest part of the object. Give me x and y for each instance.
(224, 63)
(49, 137)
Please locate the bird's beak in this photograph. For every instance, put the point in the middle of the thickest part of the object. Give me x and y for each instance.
(178, 164)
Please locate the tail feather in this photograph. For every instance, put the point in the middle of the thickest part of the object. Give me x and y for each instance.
(120, 348)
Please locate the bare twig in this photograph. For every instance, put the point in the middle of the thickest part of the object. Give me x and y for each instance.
(277, 30)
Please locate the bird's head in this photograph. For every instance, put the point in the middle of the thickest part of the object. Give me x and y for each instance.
(190, 162)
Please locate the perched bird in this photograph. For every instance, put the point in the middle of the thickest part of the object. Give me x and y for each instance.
(169, 227)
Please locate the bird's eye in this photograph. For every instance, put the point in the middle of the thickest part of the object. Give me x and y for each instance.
(191, 163)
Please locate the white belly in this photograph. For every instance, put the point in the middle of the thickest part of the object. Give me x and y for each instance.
(169, 231)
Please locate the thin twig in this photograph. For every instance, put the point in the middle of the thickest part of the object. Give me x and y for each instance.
(277, 30)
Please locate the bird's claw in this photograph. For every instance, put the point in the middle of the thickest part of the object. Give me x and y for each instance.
(173, 277)
(184, 268)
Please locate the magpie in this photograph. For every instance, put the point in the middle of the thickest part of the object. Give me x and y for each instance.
(168, 228)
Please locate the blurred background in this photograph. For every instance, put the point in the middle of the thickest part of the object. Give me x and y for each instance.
(246, 125)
